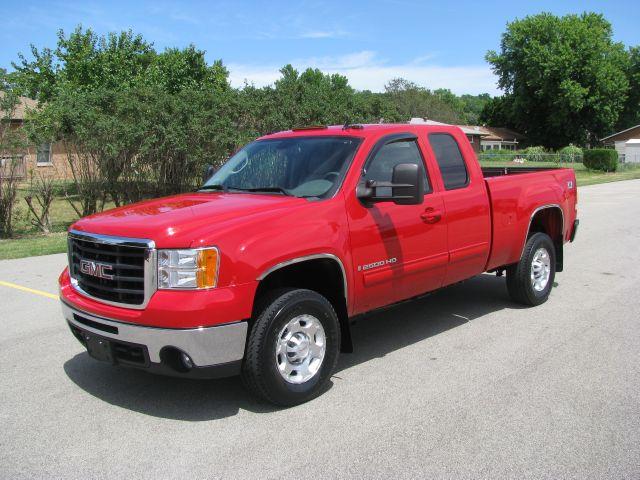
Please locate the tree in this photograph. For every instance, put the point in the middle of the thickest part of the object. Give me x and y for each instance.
(473, 106)
(564, 77)
(135, 122)
(12, 143)
(498, 112)
(631, 114)
(85, 61)
(410, 100)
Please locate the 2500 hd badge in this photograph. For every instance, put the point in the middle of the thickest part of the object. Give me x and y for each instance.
(381, 263)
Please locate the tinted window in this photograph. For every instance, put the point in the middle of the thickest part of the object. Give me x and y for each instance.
(452, 167)
(390, 155)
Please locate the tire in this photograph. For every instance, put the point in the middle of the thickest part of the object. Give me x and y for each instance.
(528, 287)
(286, 328)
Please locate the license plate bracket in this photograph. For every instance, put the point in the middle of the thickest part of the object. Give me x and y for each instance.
(98, 348)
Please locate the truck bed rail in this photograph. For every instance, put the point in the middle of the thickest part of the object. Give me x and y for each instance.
(501, 171)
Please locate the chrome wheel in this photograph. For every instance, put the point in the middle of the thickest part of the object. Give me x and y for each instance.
(300, 349)
(540, 269)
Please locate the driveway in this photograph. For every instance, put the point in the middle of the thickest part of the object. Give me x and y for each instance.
(461, 384)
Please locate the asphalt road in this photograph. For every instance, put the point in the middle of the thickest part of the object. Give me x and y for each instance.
(462, 384)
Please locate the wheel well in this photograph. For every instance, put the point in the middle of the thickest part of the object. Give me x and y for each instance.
(322, 275)
(550, 220)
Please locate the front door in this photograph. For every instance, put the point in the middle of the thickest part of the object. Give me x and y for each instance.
(399, 251)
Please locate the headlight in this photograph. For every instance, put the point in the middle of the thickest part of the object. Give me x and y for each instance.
(188, 269)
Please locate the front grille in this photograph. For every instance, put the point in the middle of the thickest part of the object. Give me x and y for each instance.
(124, 262)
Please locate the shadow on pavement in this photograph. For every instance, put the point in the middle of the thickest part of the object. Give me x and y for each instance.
(374, 336)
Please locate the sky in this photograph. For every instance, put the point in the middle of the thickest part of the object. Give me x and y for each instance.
(436, 44)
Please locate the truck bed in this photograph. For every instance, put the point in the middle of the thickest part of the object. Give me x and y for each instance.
(514, 194)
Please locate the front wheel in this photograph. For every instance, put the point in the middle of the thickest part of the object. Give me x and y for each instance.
(293, 347)
(530, 280)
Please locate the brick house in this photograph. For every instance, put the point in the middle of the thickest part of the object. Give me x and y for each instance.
(49, 158)
(475, 134)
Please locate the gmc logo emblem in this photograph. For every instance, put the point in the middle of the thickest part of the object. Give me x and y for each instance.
(96, 269)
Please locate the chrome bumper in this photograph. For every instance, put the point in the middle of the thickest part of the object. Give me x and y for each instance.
(207, 346)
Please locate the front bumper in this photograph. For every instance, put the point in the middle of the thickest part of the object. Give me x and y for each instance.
(214, 351)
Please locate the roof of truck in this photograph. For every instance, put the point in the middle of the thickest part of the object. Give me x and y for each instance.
(358, 130)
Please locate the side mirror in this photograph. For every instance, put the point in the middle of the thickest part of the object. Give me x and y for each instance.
(409, 175)
(209, 170)
(407, 187)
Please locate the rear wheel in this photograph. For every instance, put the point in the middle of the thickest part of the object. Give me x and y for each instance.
(530, 280)
(293, 347)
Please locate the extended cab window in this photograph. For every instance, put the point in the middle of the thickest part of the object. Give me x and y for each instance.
(390, 155)
(452, 168)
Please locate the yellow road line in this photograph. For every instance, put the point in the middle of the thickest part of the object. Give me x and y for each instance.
(27, 289)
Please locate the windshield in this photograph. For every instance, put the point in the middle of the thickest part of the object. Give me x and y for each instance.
(297, 166)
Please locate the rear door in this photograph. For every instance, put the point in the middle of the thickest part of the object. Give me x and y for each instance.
(466, 204)
(399, 251)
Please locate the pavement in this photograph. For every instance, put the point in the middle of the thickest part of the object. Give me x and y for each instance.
(461, 384)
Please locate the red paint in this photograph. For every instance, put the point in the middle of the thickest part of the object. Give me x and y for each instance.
(452, 236)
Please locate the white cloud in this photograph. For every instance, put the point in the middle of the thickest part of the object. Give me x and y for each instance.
(366, 71)
(323, 34)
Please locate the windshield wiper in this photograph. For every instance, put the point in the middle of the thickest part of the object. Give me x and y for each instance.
(213, 187)
(266, 190)
(225, 188)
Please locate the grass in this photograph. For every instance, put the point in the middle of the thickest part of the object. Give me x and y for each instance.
(33, 246)
(592, 177)
(29, 242)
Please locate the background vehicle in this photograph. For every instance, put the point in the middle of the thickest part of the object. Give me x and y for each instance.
(260, 271)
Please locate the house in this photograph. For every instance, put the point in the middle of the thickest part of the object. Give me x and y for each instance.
(476, 136)
(497, 138)
(626, 143)
(473, 133)
(49, 159)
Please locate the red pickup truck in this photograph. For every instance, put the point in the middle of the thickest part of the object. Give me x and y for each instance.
(260, 271)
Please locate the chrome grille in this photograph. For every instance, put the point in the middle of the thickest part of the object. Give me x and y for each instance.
(129, 266)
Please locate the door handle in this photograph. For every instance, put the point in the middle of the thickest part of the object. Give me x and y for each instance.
(431, 215)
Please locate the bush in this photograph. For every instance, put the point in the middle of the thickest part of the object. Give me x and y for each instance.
(570, 154)
(605, 159)
(534, 154)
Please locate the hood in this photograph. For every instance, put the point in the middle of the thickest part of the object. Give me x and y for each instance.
(181, 221)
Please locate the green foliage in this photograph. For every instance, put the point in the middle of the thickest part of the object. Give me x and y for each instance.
(410, 100)
(570, 153)
(604, 159)
(473, 107)
(535, 153)
(12, 144)
(85, 61)
(468, 107)
(498, 112)
(631, 114)
(498, 155)
(564, 77)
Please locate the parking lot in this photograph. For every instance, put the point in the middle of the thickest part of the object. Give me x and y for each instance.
(460, 384)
